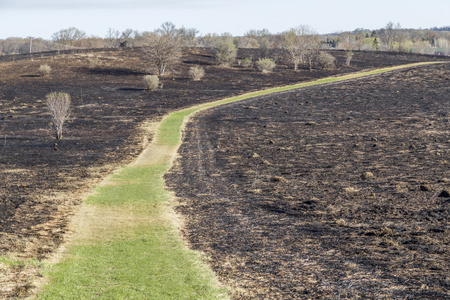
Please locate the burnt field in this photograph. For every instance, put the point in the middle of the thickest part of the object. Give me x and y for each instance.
(43, 179)
(338, 191)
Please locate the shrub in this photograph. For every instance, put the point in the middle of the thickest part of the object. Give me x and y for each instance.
(151, 82)
(226, 52)
(326, 60)
(265, 65)
(44, 70)
(58, 105)
(246, 62)
(196, 73)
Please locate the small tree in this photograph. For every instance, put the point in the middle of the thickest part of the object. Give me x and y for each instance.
(388, 36)
(196, 73)
(68, 36)
(164, 47)
(151, 82)
(44, 70)
(325, 60)
(348, 57)
(301, 44)
(58, 105)
(226, 51)
(265, 65)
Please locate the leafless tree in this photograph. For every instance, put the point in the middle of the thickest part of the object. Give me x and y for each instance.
(388, 36)
(302, 44)
(348, 57)
(112, 37)
(68, 36)
(312, 49)
(126, 37)
(189, 36)
(263, 39)
(58, 105)
(163, 47)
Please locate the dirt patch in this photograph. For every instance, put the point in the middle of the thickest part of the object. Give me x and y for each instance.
(333, 191)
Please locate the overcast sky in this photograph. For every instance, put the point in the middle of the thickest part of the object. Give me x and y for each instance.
(42, 18)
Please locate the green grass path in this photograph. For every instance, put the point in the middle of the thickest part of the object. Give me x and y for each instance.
(126, 243)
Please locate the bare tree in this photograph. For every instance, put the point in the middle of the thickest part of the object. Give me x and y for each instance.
(312, 49)
(388, 36)
(68, 36)
(302, 44)
(163, 47)
(58, 105)
(189, 36)
(348, 57)
(112, 37)
(126, 37)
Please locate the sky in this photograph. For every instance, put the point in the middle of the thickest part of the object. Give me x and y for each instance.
(42, 18)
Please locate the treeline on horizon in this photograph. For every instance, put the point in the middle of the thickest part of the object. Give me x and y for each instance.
(392, 37)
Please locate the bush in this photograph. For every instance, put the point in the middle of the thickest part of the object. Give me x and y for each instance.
(151, 82)
(265, 65)
(44, 70)
(246, 62)
(58, 105)
(196, 73)
(326, 60)
(226, 52)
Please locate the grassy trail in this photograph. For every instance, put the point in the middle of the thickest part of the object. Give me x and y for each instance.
(126, 243)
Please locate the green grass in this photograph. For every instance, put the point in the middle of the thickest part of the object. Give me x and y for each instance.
(127, 245)
(154, 266)
(138, 253)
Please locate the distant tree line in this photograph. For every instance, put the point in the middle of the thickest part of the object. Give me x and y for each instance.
(392, 37)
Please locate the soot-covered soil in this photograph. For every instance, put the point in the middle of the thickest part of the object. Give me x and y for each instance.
(328, 192)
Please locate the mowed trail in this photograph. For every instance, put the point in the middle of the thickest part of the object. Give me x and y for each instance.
(125, 241)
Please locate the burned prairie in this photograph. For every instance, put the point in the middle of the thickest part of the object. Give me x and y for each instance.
(328, 191)
(44, 179)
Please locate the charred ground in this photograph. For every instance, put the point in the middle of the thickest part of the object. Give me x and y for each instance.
(42, 179)
(325, 192)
